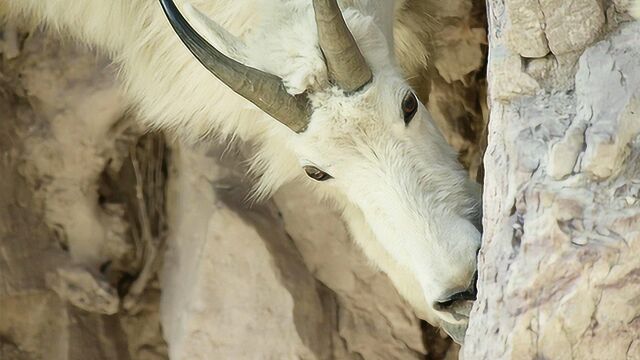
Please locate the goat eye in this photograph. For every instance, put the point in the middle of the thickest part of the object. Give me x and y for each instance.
(409, 107)
(317, 174)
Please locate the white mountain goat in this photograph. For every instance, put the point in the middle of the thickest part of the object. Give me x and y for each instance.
(328, 105)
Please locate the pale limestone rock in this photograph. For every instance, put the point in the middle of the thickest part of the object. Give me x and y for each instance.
(510, 80)
(572, 25)
(605, 85)
(559, 263)
(563, 154)
(525, 28)
(540, 68)
(84, 290)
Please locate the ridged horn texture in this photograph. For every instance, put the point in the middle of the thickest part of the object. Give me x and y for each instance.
(265, 90)
(347, 67)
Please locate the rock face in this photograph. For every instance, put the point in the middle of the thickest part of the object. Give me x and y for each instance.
(61, 243)
(456, 79)
(559, 265)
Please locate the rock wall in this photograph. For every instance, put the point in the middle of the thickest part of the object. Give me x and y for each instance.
(457, 78)
(61, 241)
(559, 264)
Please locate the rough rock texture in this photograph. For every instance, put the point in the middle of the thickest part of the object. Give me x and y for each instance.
(115, 245)
(58, 235)
(559, 264)
(457, 78)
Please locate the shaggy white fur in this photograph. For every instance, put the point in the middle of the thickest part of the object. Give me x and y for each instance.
(404, 196)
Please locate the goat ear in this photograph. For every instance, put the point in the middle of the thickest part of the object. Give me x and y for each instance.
(265, 90)
(216, 35)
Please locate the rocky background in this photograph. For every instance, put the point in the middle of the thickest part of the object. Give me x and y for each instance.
(559, 267)
(116, 244)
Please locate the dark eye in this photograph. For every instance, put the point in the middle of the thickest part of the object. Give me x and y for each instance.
(409, 107)
(317, 174)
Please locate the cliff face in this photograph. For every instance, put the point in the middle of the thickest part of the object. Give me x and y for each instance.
(66, 229)
(559, 264)
(119, 245)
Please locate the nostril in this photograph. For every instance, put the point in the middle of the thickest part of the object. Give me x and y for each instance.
(463, 295)
(469, 294)
(444, 304)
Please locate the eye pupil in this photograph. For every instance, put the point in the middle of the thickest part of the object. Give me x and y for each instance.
(316, 174)
(409, 107)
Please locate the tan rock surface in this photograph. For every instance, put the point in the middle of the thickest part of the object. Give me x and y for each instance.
(57, 106)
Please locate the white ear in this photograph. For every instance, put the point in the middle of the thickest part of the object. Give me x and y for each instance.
(215, 34)
(300, 72)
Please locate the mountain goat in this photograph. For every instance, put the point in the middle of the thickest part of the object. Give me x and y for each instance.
(328, 105)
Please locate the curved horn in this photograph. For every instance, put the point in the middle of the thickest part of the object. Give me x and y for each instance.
(347, 67)
(265, 90)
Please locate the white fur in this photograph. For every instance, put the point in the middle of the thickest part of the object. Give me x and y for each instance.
(404, 196)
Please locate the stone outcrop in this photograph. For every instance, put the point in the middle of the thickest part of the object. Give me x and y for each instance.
(559, 265)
